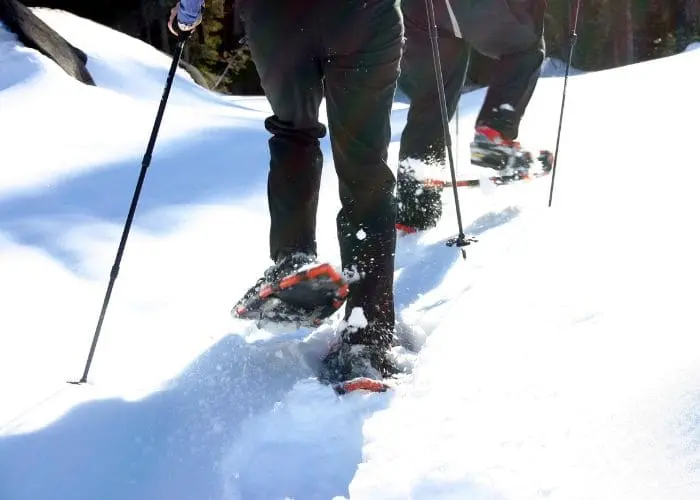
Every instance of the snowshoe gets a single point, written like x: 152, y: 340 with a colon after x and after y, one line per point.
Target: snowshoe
x: 520, y: 171
x: 298, y: 292
x: 403, y: 229
x: 353, y: 367
x: 360, y: 384
x: 491, y: 150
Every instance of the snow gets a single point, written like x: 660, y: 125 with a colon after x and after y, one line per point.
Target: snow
x: 357, y: 318
x: 553, y: 67
x: 560, y: 360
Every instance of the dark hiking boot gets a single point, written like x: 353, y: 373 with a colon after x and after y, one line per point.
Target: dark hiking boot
x: 348, y: 361
x: 419, y: 205
x: 360, y: 353
x: 491, y: 150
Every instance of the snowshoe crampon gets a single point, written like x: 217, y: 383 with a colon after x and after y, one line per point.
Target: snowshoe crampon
x: 304, y: 298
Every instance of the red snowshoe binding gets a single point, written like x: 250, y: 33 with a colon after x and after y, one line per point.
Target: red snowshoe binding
x: 297, y: 291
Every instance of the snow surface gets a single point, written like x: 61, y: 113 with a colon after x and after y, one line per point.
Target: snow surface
x: 560, y: 360
x: 692, y: 46
x: 556, y: 67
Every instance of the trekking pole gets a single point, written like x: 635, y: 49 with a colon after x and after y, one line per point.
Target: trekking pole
x: 460, y: 240
x: 132, y: 209
x: 572, y: 41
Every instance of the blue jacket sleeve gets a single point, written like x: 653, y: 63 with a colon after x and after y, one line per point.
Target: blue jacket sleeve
x: 189, y: 11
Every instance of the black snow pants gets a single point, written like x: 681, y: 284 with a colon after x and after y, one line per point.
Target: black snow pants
x: 347, y: 51
x: 507, y: 31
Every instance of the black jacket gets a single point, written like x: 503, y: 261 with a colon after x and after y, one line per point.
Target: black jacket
x: 493, y: 27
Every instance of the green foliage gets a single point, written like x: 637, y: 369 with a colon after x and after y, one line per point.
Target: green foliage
x: 610, y: 32
x: 204, y: 50
x: 657, y: 28
x: 228, y: 66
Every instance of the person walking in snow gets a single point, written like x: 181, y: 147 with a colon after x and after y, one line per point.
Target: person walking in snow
x: 348, y: 52
x: 510, y: 34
